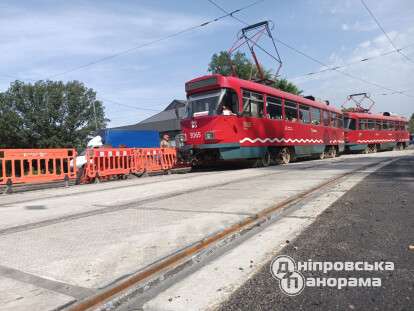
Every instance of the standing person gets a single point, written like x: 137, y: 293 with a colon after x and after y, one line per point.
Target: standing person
x: 165, y: 141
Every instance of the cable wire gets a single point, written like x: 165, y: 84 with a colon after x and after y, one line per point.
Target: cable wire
x: 320, y: 62
x: 351, y: 63
x: 130, y: 106
x: 140, y: 46
x: 384, y: 32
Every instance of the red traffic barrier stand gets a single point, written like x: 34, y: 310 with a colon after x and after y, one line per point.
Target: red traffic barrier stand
x: 106, y: 163
x: 33, y: 166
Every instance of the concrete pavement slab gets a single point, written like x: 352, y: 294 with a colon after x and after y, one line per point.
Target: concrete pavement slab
x: 20, y: 296
x: 212, y: 284
x: 132, y: 226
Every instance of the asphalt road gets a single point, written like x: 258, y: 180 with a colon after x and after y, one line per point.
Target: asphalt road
x: 372, y: 222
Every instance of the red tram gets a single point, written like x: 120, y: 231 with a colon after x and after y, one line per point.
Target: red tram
x: 366, y: 132
x: 230, y: 119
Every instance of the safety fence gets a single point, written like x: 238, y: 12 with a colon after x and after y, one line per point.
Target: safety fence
x: 32, y: 166
x: 156, y: 159
x: 105, y: 163
x: 117, y: 163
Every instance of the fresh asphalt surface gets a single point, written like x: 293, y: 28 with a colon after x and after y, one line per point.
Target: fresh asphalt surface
x: 372, y: 222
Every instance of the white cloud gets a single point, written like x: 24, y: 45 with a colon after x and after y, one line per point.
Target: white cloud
x: 63, y: 37
x: 39, y: 41
x: 360, y: 26
x: 391, y: 71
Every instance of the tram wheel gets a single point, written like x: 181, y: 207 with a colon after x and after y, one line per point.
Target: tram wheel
x: 266, y: 159
x: 322, y: 155
x: 284, y: 156
x: 374, y: 149
x: 332, y: 152
x: 366, y: 150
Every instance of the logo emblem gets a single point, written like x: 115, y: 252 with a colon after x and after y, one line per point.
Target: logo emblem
x: 193, y: 124
x: 291, y: 282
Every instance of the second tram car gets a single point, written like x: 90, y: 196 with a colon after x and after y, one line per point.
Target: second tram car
x: 229, y: 118
x: 366, y: 132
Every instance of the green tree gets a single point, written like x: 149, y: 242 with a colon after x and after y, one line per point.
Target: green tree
x: 49, y: 114
x: 245, y: 69
x: 411, y: 124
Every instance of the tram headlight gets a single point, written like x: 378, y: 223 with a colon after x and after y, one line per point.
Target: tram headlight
x: 209, y: 136
x: 182, y: 138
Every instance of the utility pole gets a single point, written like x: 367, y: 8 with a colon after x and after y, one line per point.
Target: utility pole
x: 94, y: 114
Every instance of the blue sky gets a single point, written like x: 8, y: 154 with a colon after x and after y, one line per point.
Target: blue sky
x: 39, y: 39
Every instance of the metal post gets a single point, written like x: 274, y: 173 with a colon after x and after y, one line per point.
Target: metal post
x: 66, y: 180
x: 9, y: 186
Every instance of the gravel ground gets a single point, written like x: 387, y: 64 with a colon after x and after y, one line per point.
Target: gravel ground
x: 372, y: 222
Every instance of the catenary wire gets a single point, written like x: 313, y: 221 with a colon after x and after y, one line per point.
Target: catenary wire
x: 385, y: 33
x: 318, y: 61
x: 140, y: 46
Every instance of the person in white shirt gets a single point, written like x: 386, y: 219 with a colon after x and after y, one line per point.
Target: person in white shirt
x: 227, y: 111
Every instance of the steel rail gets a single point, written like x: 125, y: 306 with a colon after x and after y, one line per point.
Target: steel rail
x: 170, y: 262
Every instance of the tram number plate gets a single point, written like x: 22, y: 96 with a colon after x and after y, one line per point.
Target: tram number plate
x: 195, y: 135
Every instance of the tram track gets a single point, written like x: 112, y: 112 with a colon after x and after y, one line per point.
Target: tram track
x: 104, y: 209
x: 86, y: 192
x: 182, y: 257
x: 182, y: 176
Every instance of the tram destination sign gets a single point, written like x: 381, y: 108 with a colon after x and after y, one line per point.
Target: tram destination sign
x: 201, y: 83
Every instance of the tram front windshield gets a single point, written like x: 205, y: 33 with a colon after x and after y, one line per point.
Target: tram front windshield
x: 211, y: 103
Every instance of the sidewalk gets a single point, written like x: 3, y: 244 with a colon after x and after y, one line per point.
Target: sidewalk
x: 372, y: 222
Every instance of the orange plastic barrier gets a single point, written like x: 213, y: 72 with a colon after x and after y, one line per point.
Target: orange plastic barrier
x: 24, y: 166
x: 169, y: 158
x: 155, y: 159
x: 105, y: 163
x: 29, y: 166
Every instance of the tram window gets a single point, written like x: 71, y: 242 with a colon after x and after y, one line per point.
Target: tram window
x: 230, y: 101
x: 333, y: 119
x: 350, y: 123
x: 362, y: 124
x: 325, y: 116
x: 397, y: 126
x: 304, y: 114
x: 291, y: 111
x: 371, y: 125
x: 339, y: 121
x: 391, y: 125
x: 252, y: 104
x: 204, y: 103
x: 385, y: 125
x: 378, y: 125
x: 315, y: 116
x: 274, y: 107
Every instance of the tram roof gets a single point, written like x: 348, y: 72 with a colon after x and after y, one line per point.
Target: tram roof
x: 229, y: 81
x: 376, y: 116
